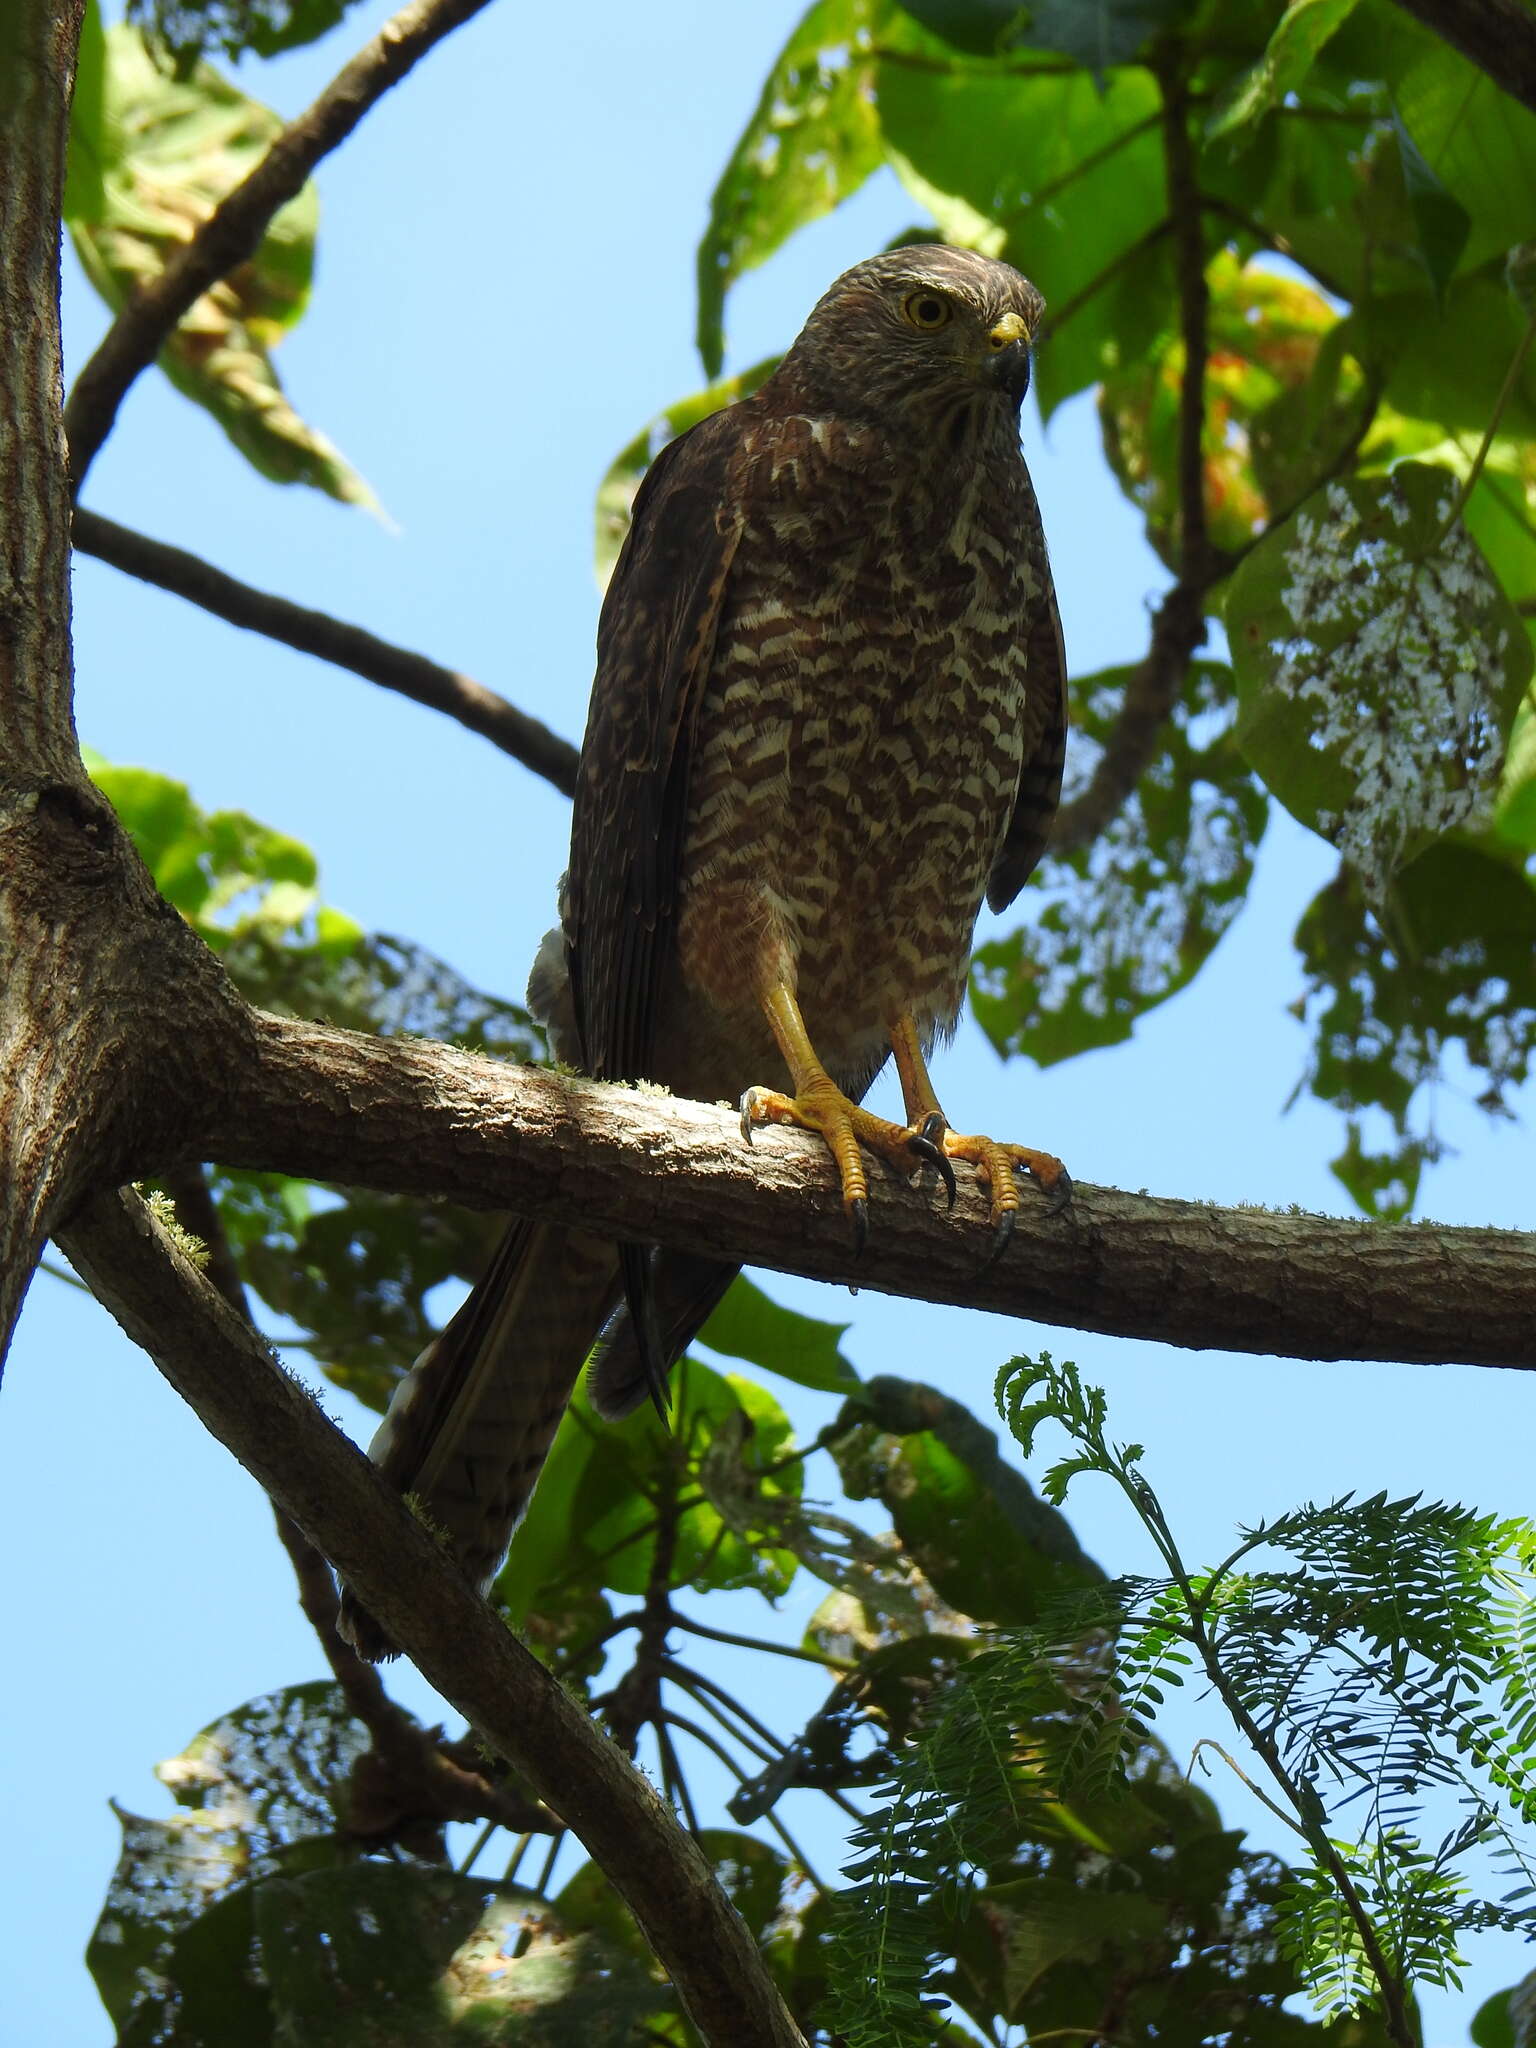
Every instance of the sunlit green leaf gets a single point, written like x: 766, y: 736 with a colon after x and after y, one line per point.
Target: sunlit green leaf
x: 810, y: 144
x: 1298, y: 36
x: 750, y: 1325
x: 168, y: 150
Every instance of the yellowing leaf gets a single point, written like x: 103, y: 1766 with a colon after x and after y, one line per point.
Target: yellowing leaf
x: 162, y: 152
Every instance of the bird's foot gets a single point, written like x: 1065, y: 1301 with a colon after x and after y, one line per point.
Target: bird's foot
x: 997, y: 1165
x: 849, y: 1132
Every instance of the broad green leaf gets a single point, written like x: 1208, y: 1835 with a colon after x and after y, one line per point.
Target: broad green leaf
x: 168, y: 150
x: 403, y: 1955
x: 1289, y: 55
x: 1479, y: 142
x: 189, y: 28
x: 1450, y: 964
x: 622, y: 478
x: 260, y: 1789
x: 810, y: 144
x: 1125, y: 923
x: 748, y: 1324
x: 1379, y: 667
x: 1493, y: 2025
x: 1072, y: 175
x: 968, y: 1523
x: 1442, y: 221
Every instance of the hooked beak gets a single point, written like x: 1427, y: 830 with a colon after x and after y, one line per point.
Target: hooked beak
x: 1007, y: 360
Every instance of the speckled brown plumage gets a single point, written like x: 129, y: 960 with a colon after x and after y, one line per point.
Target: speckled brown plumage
x: 828, y: 718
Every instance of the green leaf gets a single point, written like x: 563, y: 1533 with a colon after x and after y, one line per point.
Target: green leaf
x: 1492, y: 2025
x: 264, y: 28
x: 395, y: 1955
x: 622, y: 478
x: 1125, y: 923
x: 84, y: 193
x: 1478, y: 142
x: 810, y: 144
x: 1292, y: 49
x: 1515, y: 818
x: 750, y: 1325
x: 973, y: 1525
x: 1442, y: 221
x: 168, y: 151
x: 1379, y: 667
x: 1073, y: 178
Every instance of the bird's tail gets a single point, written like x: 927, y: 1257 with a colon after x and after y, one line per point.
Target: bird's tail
x: 472, y: 1422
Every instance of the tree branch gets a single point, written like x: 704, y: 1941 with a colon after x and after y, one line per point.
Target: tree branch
x: 394, y: 668
x: 410, y: 1782
x: 1498, y: 36
x: 1178, y: 625
x: 232, y: 232
x: 425, y: 1119
x: 217, y: 1363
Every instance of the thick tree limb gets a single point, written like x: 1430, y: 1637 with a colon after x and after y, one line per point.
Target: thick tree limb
x: 348, y: 1511
x: 231, y: 233
x: 1498, y: 36
x: 333, y: 640
x: 424, y: 1119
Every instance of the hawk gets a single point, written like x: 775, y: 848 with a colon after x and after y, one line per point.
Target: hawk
x: 829, y: 716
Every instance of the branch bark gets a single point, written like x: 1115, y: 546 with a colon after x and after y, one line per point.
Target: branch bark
x: 458, y: 696
x: 319, y: 1479
x: 231, y: 233
x: 424, y: 1119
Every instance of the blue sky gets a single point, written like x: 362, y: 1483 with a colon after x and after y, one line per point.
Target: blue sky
x: 504, y: 295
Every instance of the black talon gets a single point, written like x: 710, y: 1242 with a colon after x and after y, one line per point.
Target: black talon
x: 1060, y: 1195
x: 858, y: 1213
x: 928, y: 1144
x: 746, y: 1114
x: 1002, y: 1237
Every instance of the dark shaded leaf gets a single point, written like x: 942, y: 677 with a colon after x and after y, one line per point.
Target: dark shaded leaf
x: 1128, y: 921
x: 1096, y: 33
x: 1442, y: 221
x: 1451, y: 962
x: 982, y: 28
x: 189, y: 28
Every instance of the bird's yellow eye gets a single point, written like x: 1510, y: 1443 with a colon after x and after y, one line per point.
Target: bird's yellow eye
x: 927, y: 310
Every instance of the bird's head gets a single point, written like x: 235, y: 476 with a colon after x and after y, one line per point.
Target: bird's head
x: 922, y: 329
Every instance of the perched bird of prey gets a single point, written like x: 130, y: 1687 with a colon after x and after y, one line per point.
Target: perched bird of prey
x: 828, y: 717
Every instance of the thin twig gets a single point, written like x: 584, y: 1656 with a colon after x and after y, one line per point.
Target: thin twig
x: 723, y: 1635
x: 411, y: 675
x: 232, y: 232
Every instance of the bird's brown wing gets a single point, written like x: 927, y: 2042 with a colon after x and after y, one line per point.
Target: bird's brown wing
x: 1039, y: 791
x: 655, y: 649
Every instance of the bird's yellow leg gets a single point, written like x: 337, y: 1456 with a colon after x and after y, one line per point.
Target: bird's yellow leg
x: 996, y: 1163
x: 818, y: 1104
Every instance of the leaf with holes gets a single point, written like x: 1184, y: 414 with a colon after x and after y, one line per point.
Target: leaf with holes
x: 1125, y: 923
x: 1379, y: 666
